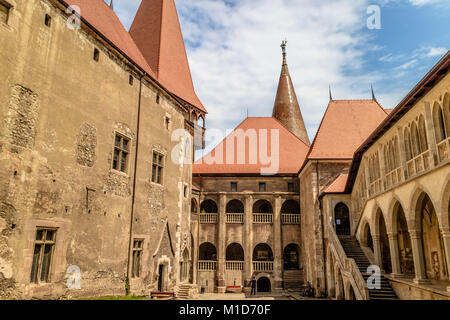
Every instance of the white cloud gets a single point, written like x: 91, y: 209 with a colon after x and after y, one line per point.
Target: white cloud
x: 433, y: 52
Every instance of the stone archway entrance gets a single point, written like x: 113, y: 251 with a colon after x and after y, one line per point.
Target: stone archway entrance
x: 342, y: 219
x: 263, y: 285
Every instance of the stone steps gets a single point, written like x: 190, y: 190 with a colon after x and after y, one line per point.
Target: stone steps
x: 353, y: 250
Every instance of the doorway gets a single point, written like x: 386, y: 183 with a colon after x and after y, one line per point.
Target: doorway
x: 263, y: 284
x: 342, y: 219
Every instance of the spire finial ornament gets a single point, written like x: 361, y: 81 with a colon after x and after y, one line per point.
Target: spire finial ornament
x: 283, y: 48
x: 331, y: 96
x: 111, y: 5
x: 373, y: 94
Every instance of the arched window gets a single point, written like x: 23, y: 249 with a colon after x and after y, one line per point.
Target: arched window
x: 290, y: 206
x: 415, y: 140
x: 262, y: 206
x: 439, y: 123
x: 407, y: 142
x: 291, y: 257
x: 262, y: 252
x: 194, y: 209
x: 446, y: 107
x: 342, y: 219
x: 201, y: 122
x: 207, y: 252
x: 208, y: 206
x: 396, y: 155
x: 384, y: 243
x: 423, y: 140
x: 235, y: 206
x: 235, y: 252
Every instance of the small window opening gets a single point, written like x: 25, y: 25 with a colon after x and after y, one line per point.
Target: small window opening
x: 96, y: 55
x: 48, y: 20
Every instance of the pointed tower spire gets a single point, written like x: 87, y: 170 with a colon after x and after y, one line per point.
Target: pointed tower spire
x: 157, y: 33
x: 286, y: 108
x: 373, y: 94
x: 331, y: 96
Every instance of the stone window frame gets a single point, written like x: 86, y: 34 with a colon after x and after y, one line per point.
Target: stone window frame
x: 36, y: 276
x: 264, y: 185
x: 10, y: 6
x: 186, y: 190
x: 57, y: 267
x: 137, y: 253
x: 160, y: 166
x: 130, y: 141
x: 144, y: 267
x: 233, y: 183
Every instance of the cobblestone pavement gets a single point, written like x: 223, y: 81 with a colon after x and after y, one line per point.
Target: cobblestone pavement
x: 243, y: 296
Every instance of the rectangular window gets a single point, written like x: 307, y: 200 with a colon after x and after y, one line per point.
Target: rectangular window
x: 96, y: 55
x: 290, y: 187
x: 185, y: 191
x: 42, y: 255
x: 121, y: 153
x: 157, y: 168
x: 138, y: 247
x: 234, y: 187
x: 4, y: 12
x: 48, y: 20
x: 262, y: 187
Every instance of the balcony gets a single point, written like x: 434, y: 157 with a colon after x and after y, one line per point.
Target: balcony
x: 235, y: 218
x: 208, y: 218
x: 419, y: 164
x: 375, y: 187
x: 234, y: 265
x: 261, y: 218
x: 394, y: 177
x: 290, y: 218
x: 443, y: 149
x: 262, y: 266
x: 207, y: 265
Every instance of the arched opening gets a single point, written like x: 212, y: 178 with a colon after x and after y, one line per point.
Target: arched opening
x: 235, y: 252
x: 435, y: 263
x: 290, y: 206
x: 439, y: 123
x: 415, y: 140
x: 208, y: 206
x: 162, y: 278
x: 384, y: 244
x: 368, y: 240
x: 207, y: 252
x: 351, y: 293
x: 262, y: 206
x: 342, y: 219
x: 291, y: 257
x: 262, y: 252
x: 201, y: 122
x: 404, y: 241
x: 194, y: 209
x: 184, y: 266
x: 423, y: 140
x: 235, y: 206
x: 446, y: 107
x: 263, y: 284
x: 408, y: 144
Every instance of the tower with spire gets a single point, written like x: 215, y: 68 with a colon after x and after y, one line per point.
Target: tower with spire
x: 286, y: 108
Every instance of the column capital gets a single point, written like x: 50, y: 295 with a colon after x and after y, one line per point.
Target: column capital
x: 376, y: 237
x: 415, y: 234
x: 392, y: 236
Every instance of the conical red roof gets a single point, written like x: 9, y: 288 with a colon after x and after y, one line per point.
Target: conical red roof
x: 157, y: 33
x: 286, y: 108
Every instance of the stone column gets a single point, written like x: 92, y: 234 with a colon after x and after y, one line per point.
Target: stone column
x: 278, y: 256
x: 377, y: 251
x: 395, y: 256
x: 446, y: 240
x: 419, y: 260
x: 248, y: 241
x: 221, y: 287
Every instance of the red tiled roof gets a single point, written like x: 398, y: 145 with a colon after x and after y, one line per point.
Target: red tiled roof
x: 388, y: 111
x: 156, y: 31
x: 292, y: 151
x: 98, y: 14
x: 345, y: 126
x: 338, y: 185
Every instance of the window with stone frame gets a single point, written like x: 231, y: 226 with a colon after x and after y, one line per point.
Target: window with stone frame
x: 157, y: 167
x: 138, y: 248
x: 290, y: 187
x: 44, y: 246
x: 121, y: 153
x: 4, y: 11
x: 262, y: 187
x: 233, y: 186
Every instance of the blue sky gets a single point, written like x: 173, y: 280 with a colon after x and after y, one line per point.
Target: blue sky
x: 235, y: 56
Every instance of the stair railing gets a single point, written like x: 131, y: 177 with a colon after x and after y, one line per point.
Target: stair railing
x: 348, y: 265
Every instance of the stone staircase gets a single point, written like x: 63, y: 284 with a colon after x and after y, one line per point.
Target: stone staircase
x: 353, y: 250
x: 186, y: 291
x: 293, y: 280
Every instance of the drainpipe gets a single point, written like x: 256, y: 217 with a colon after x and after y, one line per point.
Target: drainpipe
x: 134, y: 185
